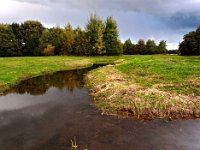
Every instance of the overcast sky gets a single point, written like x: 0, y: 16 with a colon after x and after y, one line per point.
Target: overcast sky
x: 137, y: 19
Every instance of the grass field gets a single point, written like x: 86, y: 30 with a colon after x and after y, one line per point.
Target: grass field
x: 149, y: 87
x: 15, y: 69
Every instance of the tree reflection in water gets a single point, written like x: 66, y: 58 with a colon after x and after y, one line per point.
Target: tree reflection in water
x: 40, y: 85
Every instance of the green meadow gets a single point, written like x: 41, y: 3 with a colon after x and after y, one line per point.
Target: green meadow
x: 157, y: 86
x: 150, y: 86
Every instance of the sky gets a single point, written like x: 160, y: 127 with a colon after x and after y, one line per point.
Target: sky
x: 159, y: 20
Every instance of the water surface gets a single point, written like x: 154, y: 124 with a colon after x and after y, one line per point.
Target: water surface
x: 46, y: 112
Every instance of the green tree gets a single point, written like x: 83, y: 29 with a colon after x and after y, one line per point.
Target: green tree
x: 94, y: 32
x: 57, y: 34
x: 197, y: 51
x: 191, y: 43
x: 128, y: 47
x: 68, y: 40
x: 8, y: 42
x: 18, y: 35
x: 140, y: 47
x: 45, y: 40
x: 31, y: 31
x: 80, y: 42
x: 111, y: 37
x: 52, y: 37
x: 162, y: 47
x: 151, y: 47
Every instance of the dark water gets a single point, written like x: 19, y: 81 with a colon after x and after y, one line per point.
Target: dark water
x: 45, y: 113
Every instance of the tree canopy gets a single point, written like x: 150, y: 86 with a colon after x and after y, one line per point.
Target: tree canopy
x: 191, y: 43
x: 111, y: 37
x: 99, y: 37
x: 8, y: 41
x: 143, y: 48
x: 94, y: 32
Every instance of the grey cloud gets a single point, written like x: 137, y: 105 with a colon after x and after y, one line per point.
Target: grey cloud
x: 185, y: 20
x: 158, y: 7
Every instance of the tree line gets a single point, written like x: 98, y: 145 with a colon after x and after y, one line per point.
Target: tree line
x: 99, y: 37
x: 144, y: 48
x: 191, y: 43
x: 31, y: 38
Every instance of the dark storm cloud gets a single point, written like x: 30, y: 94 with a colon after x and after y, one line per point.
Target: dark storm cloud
x: 156, y: 19
x: 185, y: 20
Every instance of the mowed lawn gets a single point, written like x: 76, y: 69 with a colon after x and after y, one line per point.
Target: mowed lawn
x: 155, y: 86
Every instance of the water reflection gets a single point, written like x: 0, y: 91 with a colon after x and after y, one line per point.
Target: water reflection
x: 68, y: 80
x: 45, y: 113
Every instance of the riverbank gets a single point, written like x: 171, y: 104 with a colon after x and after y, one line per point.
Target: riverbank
x: 15, y: 69
x: 145, y: 87
x: 48, y: 112
x: 148, y: 87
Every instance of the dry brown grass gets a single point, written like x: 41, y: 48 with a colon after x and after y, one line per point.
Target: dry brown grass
x: 115, y: 95
x: 2, y: 86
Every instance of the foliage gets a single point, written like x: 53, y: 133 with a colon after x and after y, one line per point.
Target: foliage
x: 140, y: 47
x: 94, y: 32
x: 191, y: 43
x: 80, y: 42
x: 98, y: 38
x: 172, y: 51
x: 143, y: 48
x: 162, y: 47
x: 49, y: 50
x: 68, y: 40
x: 128, y: 47
x: 16, y: 28
x: 151, y: 47
x: 111, y: 39
x: 52, y: 37
x: 8, y: 42
x: 31, y: 31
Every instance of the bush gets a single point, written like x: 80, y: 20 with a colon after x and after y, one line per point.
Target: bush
x: 49, y: 50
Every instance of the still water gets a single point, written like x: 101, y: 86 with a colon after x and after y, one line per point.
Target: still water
x: 46, y: 112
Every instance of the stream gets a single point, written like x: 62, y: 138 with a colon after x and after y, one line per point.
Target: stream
x: 47, y: 112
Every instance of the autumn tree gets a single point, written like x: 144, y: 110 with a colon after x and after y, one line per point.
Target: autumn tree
x: 49, y: 50
x: 68, y: 40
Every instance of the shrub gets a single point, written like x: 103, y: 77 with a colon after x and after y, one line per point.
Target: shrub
x: 49, y: 50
